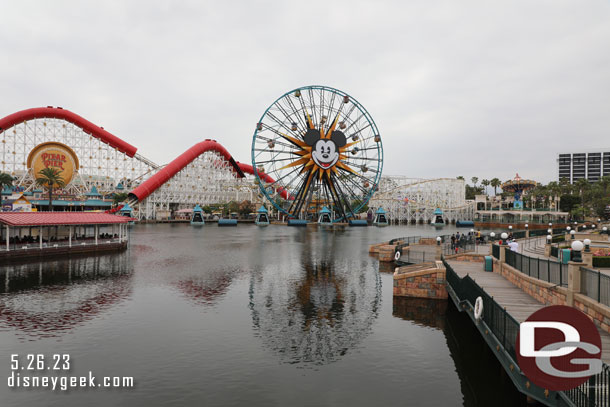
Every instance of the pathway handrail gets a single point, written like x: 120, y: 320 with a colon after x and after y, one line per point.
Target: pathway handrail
x: 593, y: 393
x: 595, y: 285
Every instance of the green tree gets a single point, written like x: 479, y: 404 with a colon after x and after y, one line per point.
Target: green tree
x: 461, y: 177
x: 246, y: 207
x: 119, y: 197
x: 471, y: 191
x: 474, y: 181
x: 5, y: 181
x: 568, y: 202
x: 231, y: 207
x: 495, y: 183
x: 485, y: 184
x: 50, y: 177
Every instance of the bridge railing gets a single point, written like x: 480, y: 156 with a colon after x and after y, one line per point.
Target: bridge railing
x: 501, y: 323
x: 495, y: 251
x: 593, y: 393
x: 595, y: 285
x: 547, y: 270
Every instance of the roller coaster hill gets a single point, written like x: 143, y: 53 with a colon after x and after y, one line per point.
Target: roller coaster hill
x: 105, y: 165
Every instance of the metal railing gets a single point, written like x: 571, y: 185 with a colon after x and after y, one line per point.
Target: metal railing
x: 495, y: 251
x: 60, y: 243
x: 593, y: 393
x: 555, y: 251
x: 466, y: 246
x: 595, y: 285
x: 501, y: 323
x: 547, y: 270
x: 414, y: 257
x: 406, y: 239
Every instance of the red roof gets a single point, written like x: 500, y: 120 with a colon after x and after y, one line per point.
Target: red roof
x: 59, y: 218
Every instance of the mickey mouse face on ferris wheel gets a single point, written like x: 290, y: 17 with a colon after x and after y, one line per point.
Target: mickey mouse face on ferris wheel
x: 325, y: 151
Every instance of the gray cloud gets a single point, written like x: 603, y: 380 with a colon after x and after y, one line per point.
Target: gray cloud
x: 457, y: 88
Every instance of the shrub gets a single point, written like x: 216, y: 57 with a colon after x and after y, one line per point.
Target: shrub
x: 601, y: 261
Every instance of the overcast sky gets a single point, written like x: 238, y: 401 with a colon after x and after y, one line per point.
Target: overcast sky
x: 473, y: 88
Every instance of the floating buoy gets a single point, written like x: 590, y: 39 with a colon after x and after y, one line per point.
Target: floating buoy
x: 478, y: 308
x: 397, y: 255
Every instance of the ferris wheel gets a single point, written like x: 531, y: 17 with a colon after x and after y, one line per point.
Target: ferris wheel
x: 317, y: 146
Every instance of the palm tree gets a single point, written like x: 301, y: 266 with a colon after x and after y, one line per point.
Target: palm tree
x: 50, y: 177
x: 582, y: 185
x: 474, y: 181
x: 495, y: 182
x: 485, y: 183
x: 5, y: 181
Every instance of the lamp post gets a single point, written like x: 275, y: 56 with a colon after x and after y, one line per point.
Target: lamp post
x: 504, y: 236
x: 572, y: 233
x: 492, y: 235
x: 587, y: 243
x: 547, y: 248
x: 438, y: 248
x: 577, y: 247
x: 605, y: 230
x: 527, y: 233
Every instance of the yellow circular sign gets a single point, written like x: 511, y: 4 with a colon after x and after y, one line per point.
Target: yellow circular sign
x: 54, y: 155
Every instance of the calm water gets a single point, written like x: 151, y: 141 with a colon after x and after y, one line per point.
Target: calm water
x: 270, y: 316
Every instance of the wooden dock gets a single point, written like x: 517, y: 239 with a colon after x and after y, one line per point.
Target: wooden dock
x: 517, y: 303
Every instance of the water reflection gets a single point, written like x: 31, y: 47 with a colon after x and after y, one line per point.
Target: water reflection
x: 480, y: 374
x: 315, y: 311
x: 206, y: 289
x: 422, y: 311
x: 48, y: 299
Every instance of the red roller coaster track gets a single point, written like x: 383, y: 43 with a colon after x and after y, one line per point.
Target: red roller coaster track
x: 60, y: 113
x: 162, y: 176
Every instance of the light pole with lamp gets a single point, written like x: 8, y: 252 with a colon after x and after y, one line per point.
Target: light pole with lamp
x: 577, y: 247
x: 503, y: 246
x: 572, y: 233
x: 439, y: 251
x: 547, y: 246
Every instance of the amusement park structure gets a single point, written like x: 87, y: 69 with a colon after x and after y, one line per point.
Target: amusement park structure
x: 206, y: 173
x: 518, y: 186
x: 415, y: 200
x: 315, y: 147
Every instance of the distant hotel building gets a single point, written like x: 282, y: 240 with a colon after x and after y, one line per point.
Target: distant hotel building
x: 591, y: 166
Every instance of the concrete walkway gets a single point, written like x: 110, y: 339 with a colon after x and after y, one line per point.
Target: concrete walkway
x: 518, y: 304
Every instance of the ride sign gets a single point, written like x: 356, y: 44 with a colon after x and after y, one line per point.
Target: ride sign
x: 53, y: 155
x: 558, y: 348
